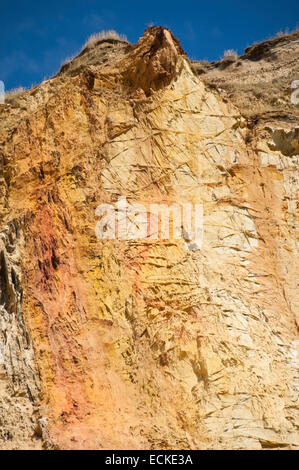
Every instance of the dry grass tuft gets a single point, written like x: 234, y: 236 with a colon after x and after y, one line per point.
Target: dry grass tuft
x: 230, y: 53
x: 67, y: 60
x: 16, y: 91
x: 104, y: 35
x: 199, y: 66
x: 13, y: 95
x: 287, y: 32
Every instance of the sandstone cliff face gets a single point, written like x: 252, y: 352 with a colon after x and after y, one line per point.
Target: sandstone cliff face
x: 146, y: 343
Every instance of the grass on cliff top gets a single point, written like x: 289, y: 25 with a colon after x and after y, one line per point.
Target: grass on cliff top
x: 259, y: 81
x: 93, y: 40
x: 102, y: 36
x: 12, y: 96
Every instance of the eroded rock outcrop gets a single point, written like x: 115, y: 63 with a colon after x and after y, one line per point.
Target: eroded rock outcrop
x: 147, y: 343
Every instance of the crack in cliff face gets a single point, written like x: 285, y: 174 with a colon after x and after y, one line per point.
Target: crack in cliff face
x: 145, y: 343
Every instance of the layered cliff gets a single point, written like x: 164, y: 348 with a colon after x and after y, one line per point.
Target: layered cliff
x: 146, y: 343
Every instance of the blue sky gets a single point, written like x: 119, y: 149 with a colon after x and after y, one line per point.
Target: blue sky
x: 37, y: 36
